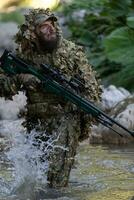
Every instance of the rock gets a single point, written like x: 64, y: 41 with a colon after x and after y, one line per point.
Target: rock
x: 121, y: 106
x: 112, y: 95
x: 7, y: 32
x: 122, y: 112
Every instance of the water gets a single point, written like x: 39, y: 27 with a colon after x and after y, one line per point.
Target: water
x: 100, y: 172
x: 105, y: 172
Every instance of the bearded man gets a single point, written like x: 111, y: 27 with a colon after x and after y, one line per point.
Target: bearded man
x: 40, y: 41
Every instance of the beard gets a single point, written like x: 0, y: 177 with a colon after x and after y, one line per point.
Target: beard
x: 47, y: 38
x: 48, y: 43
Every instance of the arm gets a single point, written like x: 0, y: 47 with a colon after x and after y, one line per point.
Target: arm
x: 7, y: 85
x: 10, y: 85
x: 15, y: 75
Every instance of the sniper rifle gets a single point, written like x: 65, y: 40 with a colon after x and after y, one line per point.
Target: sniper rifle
x: 52, y: 80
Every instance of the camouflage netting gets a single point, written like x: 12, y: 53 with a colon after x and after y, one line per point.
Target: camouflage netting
x: 26, y: 39
x: 52, y: 112
x: 68, y: 57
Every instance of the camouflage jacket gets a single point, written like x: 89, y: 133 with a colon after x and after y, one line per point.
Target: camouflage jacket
x: 68, y: 58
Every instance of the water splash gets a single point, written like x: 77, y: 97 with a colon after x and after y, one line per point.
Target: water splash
x: 10, y: 109
x: 24, y: 152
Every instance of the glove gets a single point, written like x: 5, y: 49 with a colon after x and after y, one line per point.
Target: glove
x: 29, y: 81
x: 7, y: 86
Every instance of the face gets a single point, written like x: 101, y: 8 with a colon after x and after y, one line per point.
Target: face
x: 46, y: 34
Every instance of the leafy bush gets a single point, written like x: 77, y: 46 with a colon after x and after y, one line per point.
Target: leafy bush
x: 107, y: 32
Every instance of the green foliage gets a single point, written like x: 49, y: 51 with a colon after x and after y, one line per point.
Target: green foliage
x: 84, y: 4
x: 124, y: 77
x: 130, y: 22
x: 107, y: 32
x: 14, y: 16
x: 119, y: 46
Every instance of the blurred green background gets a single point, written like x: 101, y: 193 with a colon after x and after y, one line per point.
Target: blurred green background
x: 105, y: 28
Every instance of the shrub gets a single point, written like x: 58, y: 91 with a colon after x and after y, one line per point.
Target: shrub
x: 107, y: 33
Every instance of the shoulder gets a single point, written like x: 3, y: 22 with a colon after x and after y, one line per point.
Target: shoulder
x: 71, y: 49
x: 71, y: 45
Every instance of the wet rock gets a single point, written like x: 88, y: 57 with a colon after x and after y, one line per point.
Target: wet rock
x: 7, y: 32
x: 122, y: 112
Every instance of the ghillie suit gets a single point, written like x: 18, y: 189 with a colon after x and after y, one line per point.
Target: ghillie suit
x: 49, y: 112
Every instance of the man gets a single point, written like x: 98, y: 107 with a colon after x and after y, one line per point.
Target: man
x: 40, y: 41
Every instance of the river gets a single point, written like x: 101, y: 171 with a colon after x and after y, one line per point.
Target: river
x: 99, y: 172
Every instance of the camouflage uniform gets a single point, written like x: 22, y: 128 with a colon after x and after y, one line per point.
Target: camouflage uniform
x: 51, y: 113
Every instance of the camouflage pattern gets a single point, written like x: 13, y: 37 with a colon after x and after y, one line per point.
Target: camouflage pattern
x: 48, y: 112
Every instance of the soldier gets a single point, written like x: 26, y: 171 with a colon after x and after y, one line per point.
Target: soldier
x: 39, y: 41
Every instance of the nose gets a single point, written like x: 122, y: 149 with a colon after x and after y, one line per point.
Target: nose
x: 46, y: 28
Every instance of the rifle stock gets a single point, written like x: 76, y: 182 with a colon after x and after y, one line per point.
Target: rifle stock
x: 51, y: 81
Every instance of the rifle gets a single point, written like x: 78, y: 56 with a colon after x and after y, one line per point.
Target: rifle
x: 52, y: 80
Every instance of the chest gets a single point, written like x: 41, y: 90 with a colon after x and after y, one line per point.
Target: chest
x: 62, y: 60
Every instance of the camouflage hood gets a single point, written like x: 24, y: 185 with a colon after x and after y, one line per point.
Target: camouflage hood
x: 26, y: 38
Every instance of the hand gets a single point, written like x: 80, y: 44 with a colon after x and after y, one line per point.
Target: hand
x: 7, y: 87
x: 29, y: 81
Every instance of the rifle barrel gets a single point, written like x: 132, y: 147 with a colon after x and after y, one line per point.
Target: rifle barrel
x: 11, y: 63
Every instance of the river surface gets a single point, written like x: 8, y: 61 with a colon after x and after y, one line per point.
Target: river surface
x: 99, y: 173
